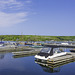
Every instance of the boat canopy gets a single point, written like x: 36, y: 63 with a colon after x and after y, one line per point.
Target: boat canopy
x: 45, y: 50
x: 48, y: 52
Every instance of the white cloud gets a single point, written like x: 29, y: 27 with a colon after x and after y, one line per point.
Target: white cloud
x: 11, y: 18
x: 5, y: 4
x: 14, y: 4
x: 17, y: 12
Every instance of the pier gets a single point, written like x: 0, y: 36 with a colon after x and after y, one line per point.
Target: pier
x: 17, y: 48
x: 33, y: 51
x: 59, y: 45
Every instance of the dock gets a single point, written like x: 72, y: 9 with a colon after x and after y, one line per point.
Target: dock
x: 27, y: 52
x: 59, y: 45
x: 54, y: 62
x: 58, y: 61
x: 17, y: 48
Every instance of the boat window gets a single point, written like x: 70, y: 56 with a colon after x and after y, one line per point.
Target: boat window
x: 57, y: 51
x: 46, y: 50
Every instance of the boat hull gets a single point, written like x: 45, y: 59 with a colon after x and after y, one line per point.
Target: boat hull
x: 50, y: 57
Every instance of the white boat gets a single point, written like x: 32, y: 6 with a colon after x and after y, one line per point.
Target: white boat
x: 48, y: 53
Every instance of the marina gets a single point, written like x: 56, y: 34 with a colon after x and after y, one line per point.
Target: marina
x: 23, y: 58
x: 52, y: 57
x: 37, y: 37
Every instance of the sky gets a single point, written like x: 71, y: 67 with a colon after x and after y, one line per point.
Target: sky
x: 37, y: 17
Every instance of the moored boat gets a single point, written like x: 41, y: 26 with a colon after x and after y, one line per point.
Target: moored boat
x: 72, y: 50
x: 37, y: 46
x: 48, y: 53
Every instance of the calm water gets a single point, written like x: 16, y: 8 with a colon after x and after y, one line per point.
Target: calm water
x: 10, y: 65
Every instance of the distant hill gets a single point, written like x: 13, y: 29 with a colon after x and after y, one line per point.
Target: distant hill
x: 35, y: 38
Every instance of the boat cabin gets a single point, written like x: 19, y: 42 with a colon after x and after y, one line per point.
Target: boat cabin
x: 48, y: 53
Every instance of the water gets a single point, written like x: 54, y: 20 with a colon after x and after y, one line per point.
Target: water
x: 10, y: 65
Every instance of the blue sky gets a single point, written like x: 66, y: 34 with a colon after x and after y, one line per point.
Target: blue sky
x: 37, y: 17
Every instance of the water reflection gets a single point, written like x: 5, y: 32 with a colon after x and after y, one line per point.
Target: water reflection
x: 52, y: 68
x: 48, y: 68
x: 2, y: 55
x: 20, y: 56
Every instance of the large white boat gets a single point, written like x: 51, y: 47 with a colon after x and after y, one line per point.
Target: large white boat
x: 49, y: 53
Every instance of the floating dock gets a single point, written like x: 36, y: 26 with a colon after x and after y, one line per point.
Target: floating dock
x: 58, y: 61
x: 54, y: 62
x: 27, y: 52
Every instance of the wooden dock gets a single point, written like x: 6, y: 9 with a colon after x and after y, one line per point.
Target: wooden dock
x: 18, y: 48
x: 26, y: 52
x: 58, y: 61
x: 54, y: 62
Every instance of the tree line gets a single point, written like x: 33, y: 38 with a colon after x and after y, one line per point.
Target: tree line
x: 35, y: 38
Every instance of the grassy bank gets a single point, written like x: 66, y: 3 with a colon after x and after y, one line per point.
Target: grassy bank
x: 35, y: 38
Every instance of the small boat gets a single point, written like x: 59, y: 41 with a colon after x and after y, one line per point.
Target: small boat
x: 49, y: 53
x: 37, y: 46
x: 72, y: 50
x: 1, y: 44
